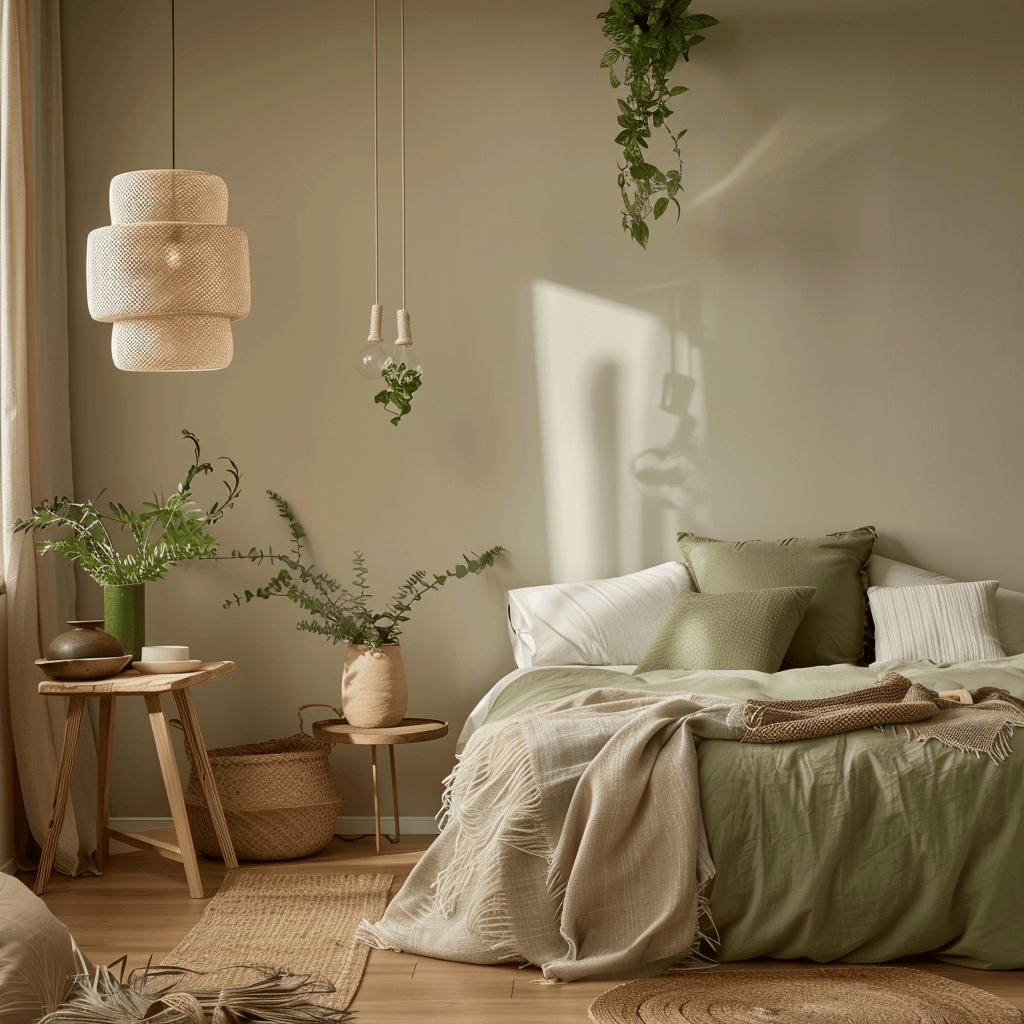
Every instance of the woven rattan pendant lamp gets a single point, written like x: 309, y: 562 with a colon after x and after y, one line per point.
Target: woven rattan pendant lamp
x: 168, y: 272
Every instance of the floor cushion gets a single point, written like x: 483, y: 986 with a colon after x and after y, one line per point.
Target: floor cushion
x: 38, y: 957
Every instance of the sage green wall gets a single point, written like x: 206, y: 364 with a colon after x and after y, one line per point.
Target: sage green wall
x: 840, y: 304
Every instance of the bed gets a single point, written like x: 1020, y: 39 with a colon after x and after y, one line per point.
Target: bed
x: 858, y: 848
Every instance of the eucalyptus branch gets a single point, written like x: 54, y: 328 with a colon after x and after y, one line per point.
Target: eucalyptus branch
x: 337, y: 613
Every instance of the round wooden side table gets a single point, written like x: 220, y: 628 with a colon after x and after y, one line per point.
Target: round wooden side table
x: 409, y: 730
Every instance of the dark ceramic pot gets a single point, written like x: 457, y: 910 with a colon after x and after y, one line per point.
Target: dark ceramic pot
x: 86, y: 640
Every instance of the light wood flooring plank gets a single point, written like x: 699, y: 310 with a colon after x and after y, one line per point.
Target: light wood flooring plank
x: 141, y: 906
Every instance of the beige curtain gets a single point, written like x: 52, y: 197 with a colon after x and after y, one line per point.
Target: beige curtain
x: 35, y: 428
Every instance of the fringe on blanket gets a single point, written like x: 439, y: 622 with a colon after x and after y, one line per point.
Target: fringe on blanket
x: 499, y: 774
x: 498, y: 770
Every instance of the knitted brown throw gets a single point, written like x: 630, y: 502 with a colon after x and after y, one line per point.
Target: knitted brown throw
x: 984, y: 727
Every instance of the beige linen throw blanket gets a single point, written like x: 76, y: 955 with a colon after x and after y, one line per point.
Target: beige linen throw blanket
x: 572, y: 834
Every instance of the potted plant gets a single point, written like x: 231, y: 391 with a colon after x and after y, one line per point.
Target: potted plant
x: 649, y: 36
x: 373, y: 687
x: 172, y: 529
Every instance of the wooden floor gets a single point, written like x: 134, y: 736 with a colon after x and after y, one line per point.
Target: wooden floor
x: 141, y: 906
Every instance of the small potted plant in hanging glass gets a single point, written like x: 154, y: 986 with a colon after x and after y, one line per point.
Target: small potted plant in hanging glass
x: 374, y: 693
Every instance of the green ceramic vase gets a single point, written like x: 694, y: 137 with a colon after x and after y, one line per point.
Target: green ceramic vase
x: 124, y: 616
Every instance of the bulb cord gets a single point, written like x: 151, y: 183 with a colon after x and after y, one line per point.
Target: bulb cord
x: 174, y: 119
x: 376, y: 174
x: 403, y: 151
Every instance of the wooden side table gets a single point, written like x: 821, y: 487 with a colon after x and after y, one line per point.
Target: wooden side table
x: 409, y: 730
x: 136, y: 684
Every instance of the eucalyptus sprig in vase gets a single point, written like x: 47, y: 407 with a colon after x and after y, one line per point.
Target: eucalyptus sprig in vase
x: 374, y: 692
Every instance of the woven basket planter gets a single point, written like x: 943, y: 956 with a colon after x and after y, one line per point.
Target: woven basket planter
x: 278, y: 797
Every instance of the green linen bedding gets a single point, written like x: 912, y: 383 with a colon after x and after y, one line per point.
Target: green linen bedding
x: 860, y: 848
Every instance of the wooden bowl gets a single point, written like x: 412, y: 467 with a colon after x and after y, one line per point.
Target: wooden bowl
x: 84, y: 668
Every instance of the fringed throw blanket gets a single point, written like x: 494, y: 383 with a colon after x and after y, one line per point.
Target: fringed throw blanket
x: 573, y: 836
x: 984, y: 726
x: 573, y: 840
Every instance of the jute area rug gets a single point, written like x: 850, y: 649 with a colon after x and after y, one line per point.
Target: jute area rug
x: 835, y: 995
x: 300, y: 923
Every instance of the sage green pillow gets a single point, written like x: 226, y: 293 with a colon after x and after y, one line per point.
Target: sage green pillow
x: 832, y: 629
x: 750, y: 629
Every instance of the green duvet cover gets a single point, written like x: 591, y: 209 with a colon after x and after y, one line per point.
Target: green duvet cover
x: 862, y: 847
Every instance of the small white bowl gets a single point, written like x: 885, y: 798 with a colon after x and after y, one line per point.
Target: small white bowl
x: 157, y: 668
x: 164, y: 654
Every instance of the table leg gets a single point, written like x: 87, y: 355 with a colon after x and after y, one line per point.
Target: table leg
x: 72, y: 725
x: 376, y: 794
x: 104, y: 760
x: 394, y: 795
x: 201, y: 766
x: 172, y: 784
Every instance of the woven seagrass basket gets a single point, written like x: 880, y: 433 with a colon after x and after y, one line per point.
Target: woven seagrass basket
x: 278, y: 798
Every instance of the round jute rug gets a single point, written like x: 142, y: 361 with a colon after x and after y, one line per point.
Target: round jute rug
x: 832, y: 995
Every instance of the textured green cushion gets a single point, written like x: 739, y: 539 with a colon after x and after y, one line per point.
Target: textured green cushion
x: 832, y: 630
x: 747, y: 630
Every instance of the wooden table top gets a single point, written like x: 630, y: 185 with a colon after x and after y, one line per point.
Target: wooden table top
x: 409, y: 730
x: 133, y: 682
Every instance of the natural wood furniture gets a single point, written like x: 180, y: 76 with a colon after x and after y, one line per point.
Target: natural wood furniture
x: 136, y: 684
x: 409, y: 730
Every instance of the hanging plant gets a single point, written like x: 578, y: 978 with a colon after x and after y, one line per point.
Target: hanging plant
x: 650, y: 36
x: 402, y: 383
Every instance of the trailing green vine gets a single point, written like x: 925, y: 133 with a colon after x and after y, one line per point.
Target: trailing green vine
x: 402, y: 383
x: 650, y: 36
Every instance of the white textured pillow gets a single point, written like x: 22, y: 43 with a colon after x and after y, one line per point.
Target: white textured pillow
x: 940, y: 622
x: 600, y: 622
x: 887, y: 572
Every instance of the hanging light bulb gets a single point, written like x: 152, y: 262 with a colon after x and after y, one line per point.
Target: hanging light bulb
x: 404, y: 352
x: 370, y: 360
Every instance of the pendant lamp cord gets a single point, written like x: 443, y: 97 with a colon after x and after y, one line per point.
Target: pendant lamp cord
x: 173, y: 94
x: 403, y: 153
x: 376, y: 175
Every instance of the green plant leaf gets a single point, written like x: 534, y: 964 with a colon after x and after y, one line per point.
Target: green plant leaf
x: 172, y: 529
x: 649, y: 36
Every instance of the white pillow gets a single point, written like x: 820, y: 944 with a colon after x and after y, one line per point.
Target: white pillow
x: 940, y: 622
x: 601, y: 622
x: 887, y: 572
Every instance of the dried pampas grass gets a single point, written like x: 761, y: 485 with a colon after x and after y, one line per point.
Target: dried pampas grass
x: 42, y: 983
x: 175, y: 995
